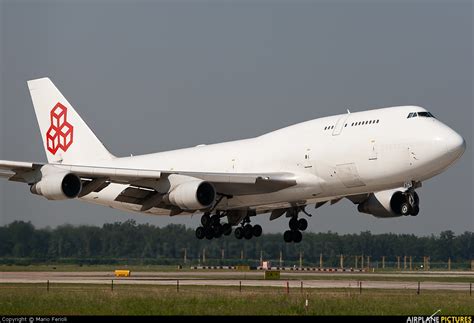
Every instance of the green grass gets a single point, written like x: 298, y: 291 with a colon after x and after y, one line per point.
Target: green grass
x: 67, y: 299
x: 426, y: 278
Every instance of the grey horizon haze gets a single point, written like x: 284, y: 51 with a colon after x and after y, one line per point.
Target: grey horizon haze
x: 155, y: 76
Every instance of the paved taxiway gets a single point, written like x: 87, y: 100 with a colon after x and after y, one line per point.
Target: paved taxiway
x: 253, y: 278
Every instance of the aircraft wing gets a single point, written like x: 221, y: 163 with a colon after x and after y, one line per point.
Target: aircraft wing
x: 225, y: 183
x: 18, y: 171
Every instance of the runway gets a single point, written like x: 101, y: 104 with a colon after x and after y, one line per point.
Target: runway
x: 249, y: 278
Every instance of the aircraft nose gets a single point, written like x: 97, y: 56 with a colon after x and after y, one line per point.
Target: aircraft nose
x: 455, y: 144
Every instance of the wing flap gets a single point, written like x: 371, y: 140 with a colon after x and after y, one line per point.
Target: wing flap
x: 134, y: 195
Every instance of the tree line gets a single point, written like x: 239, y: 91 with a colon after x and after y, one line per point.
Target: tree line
x: 151, y: 244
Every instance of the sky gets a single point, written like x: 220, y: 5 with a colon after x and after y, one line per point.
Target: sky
x: 152, y: 76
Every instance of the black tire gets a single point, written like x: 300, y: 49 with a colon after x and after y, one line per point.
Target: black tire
x: 293, y: 224
x: 200, y: 233
x: 248, y: 234
x: 239, y: 233
x: 215, y: 219
x: 288, y: 236
x: 257, y: 230
x: 205, y: 219
x: 415, y: 211
x: 416, y: 198
x: 297, y: 236
x: 396, y: 201
x: 217, y: 229
x: 302, y: 224
x: 405, y: 208
x: 227, y: 229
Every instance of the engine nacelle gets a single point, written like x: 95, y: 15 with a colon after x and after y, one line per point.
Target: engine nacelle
x: 58, y: 186
x: 192, y: 195
x: 384, y: 204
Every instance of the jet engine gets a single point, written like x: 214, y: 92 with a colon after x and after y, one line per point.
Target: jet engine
x: 192, y: 195
x: 58, y: 186
x: 390, y: 203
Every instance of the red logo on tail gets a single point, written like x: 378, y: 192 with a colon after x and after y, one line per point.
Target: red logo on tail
x: 59, y: 134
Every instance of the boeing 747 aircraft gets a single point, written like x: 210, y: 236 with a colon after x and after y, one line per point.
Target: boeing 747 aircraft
x: 367, y: 157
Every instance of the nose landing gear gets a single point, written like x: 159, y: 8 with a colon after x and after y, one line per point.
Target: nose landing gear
x: 410, y: 203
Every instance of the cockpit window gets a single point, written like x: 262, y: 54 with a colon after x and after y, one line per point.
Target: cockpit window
x: 420, y: 114
x: 425, y: 114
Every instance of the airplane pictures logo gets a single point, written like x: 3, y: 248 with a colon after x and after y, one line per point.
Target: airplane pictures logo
x: 60, y: 133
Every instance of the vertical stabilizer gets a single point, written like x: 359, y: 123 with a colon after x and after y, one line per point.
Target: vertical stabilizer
x: 66, y: 137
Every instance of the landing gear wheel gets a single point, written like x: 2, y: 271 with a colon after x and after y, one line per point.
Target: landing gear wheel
x: 416, y: 210
x: 209, y: 234
x: 416, y: 198
x: 248, y: 232
x: 226, y: 229
x: 405, y: 208
x: 239, y: 233
x: 215, y: 220
x: 297, y: 236
x: 257, y: 230
x: 217, y: 230
x: 205, y: 219
x: 200, y: 233
x: 288, y: 236
x: 294, y: 223
x: 302, y: 224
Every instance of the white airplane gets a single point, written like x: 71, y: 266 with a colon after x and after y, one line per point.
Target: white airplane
x: 374, y: 158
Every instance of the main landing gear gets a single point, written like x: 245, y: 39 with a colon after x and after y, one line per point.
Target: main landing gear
x: 247, y: 231
x: 296, y: 226
x: 212, y: 227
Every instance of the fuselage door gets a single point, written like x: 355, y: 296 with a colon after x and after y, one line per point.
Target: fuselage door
x: 307, y: 164
x: 372, y: 150
x: 340, y: 125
